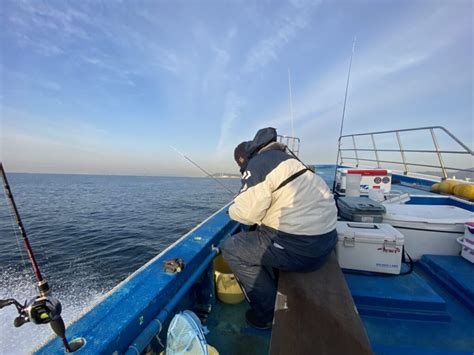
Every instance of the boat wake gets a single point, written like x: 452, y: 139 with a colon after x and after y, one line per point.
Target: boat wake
x: 20, y: 285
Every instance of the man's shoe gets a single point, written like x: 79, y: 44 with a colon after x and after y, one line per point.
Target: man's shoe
x: 258, y: 321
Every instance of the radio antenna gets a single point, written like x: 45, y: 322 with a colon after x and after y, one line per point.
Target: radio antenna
x: 343, y: 115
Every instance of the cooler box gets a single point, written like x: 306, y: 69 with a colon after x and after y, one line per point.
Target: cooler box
x: 429, y: 229
x: 467, y: 242
x: 360, y: 209
x: 371, y: 179
x: 372, y: 247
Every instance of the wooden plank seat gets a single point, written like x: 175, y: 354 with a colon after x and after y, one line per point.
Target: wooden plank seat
x: 315, y: 314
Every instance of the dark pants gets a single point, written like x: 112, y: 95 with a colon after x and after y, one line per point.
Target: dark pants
x: 253, y: 255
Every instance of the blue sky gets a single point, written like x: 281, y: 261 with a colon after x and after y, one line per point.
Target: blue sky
x: 107, y: 86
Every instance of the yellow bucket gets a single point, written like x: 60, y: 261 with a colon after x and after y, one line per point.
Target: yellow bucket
x: 221, y: 265
x: 227, y: 288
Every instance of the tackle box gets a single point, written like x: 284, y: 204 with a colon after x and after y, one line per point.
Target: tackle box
x: 374, y: 247
x: 360, y: 209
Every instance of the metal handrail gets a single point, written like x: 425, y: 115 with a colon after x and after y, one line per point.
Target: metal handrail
x: 292, y: 143
x: 402, y: 151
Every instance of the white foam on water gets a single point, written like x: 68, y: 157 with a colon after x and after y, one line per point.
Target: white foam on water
x: 20, y: 286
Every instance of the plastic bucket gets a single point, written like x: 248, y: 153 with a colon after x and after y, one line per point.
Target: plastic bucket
x: 221, y: 265
x: 227, y: 288
x: 376, y: 195
x: 353, y: 185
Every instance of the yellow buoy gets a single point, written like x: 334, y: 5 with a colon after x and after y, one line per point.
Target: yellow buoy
x: 435, y: 187
x: 448, y: 185
x: 227, y: 287
x: 464, y: 191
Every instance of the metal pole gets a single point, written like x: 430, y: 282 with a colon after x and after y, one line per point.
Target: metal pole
x: 355, y: 151
x: 375, y: 151
x: 402, y: 153
x: 441, y: 163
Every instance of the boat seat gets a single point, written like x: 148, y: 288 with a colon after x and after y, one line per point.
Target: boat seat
x: 315, y: 314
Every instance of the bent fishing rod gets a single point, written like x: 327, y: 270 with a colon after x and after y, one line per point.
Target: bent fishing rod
x: 204, y: 171
x: 234, y: 195
x: 43, y: 308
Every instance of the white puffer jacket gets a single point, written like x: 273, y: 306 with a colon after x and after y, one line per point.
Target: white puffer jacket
x: 304, y: 206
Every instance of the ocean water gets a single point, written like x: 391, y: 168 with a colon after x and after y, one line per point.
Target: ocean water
x: 89, y: 233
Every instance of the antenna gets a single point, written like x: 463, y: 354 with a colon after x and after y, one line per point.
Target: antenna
x: 343, y: 114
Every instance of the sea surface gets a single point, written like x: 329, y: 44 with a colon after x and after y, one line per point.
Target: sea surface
x: 89, y: 233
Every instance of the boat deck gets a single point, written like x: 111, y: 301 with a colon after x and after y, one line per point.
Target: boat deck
x: 230, y: 334
x: 425, y: 312
x: 411, y: 313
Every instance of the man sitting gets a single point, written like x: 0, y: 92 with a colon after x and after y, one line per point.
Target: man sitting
x: 295, y: 215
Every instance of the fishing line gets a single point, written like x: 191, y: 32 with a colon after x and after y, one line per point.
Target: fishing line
x: 14, y: 229
x: 204, y: 171
x: 43, y: 308
x: 294, y: 156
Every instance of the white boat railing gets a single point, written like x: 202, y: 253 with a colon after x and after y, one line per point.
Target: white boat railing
x: 292, y: 143
x: 464, y: 150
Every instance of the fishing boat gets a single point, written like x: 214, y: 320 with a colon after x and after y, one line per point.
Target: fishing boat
x: 428, y: 308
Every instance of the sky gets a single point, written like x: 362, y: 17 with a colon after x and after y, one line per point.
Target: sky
x: 107, y: 87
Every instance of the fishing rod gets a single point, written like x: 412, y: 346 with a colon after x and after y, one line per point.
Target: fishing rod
x: 343, y: 115
x: 43, y: 308
x: 204, y: 171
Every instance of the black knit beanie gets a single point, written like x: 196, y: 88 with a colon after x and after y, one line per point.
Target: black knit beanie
x: 240, y: 154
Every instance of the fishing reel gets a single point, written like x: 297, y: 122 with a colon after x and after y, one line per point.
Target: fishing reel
x: 38, y: 310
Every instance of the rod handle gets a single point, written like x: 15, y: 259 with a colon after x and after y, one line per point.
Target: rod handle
x: 59, y: 328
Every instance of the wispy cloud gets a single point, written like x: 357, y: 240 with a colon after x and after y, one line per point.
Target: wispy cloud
x: 287, y: 25
x: 77, y: 29
x: 126, y: 66
x: 233, y: 106
x: 51, y: 85
x: 396, y: 51
x: 290, y: 20
x: 164, y: 58
x: 318, y: 107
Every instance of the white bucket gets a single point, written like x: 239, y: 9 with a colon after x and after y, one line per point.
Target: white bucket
x: 353, y: 185
x: 467, y: 242
x: 376, y: 195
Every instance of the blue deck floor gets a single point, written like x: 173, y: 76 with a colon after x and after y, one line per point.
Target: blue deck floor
x: 410, y: 314
x: 424, y: 336
x: 230, y: 334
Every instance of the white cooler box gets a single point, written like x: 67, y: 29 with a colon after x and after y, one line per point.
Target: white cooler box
x: 372, y: 247
x: 467, y: 242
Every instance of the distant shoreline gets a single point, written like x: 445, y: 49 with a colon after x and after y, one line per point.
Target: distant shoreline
x: 225, y: 176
